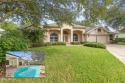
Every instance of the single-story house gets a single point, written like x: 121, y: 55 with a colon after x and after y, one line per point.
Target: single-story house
x: 74, y: 32
x: 14, y: 61
x: 120, y: 33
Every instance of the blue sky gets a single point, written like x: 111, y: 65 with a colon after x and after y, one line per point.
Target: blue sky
x: 23, y: 54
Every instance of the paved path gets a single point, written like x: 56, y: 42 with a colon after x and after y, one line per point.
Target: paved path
x: 118, y: 51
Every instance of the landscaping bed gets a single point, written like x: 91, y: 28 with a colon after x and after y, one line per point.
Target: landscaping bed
x: 95, y: 45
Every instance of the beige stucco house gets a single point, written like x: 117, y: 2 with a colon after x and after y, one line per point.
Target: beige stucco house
x: 74, y: 32
x: 14, y: 61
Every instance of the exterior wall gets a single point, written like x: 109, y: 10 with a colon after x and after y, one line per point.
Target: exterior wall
x: 102, y: 36
x: 94, y: 36
x: 80, y: 35
x: 68, y: 35
x: 67, y: 28
x: 12, y: 62
x: 49, y: 32
x: 96, y: 31
x: 98, y: 38
x: 120, y: 35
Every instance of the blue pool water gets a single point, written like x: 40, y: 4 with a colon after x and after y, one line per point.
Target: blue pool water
x: 29, y: 71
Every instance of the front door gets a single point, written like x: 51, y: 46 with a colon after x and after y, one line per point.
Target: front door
x: 65, y: 38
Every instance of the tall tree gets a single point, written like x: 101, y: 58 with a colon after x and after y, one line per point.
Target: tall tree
x: 37, y: 10
x: 60, y: 11
x: 116, y: 15
x: 7, y: 25
x: 94, y: 10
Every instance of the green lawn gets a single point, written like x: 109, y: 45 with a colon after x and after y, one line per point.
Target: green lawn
x: 79, y: 64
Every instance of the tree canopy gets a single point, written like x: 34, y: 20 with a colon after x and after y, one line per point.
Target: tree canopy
x: 37, y: 10
x: 60, y: 11
x: 7, y: 25
x: 116, y: 15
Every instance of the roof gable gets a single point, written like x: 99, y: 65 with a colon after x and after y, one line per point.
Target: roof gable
x: 90, y: 29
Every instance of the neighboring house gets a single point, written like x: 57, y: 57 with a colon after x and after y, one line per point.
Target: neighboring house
x: 14, y: 61
x: 68, y: 33
x: 119, y: 34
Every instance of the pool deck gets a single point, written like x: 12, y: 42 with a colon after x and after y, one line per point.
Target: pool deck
x: 11, y: 70
x: 42, y: 71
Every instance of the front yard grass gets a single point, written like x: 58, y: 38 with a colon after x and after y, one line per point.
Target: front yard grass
x: 79, y: 64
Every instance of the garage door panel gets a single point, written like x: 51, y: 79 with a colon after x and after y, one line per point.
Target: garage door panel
x: 101, y: 39
x: 91, y: 39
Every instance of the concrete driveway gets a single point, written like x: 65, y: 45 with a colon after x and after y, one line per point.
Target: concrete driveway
x: 118, y: 51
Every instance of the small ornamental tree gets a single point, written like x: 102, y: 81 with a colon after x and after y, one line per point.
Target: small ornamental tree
x: 35, y: 35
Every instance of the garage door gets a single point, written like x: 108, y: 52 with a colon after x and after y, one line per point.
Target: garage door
x: 91, y: 38
x: 101, y: 39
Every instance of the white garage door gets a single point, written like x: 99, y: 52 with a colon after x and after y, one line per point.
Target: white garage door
x: 101, y: 39
x: 91, y: 38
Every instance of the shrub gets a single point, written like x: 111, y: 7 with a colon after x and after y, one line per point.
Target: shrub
x: 119, y: 39
x: 61, y: 43
x: 114, y: 41
x: 83, y: 42
x: 54, y: 43
x: 13, y: 41
x: 36, y: 45
x: 95, y: 44
x: 35, y: 35
x: 75, y: 43
x: 48, y: 44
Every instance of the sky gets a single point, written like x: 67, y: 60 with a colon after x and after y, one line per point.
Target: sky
x: 26, y: 55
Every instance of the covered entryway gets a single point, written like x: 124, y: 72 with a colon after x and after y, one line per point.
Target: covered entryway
x: 66, y: 35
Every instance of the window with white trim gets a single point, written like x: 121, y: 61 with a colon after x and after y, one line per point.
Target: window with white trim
x: 75, y: 37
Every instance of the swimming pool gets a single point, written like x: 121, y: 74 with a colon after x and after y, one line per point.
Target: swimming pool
x: 29, y: 71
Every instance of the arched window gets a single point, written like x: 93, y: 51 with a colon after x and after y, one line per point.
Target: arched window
x: 75, y: 37
x: 53, y: 37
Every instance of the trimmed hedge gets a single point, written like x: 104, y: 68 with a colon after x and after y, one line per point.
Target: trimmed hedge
x: 47, y: 44
x: 54, y: 43
x: 75, y: 43
x: 121, y: 43
x: 119, y: 40
x: 58, y: 43
x: 36, y: 45
x: 95, y: 44
x: 83, y: 42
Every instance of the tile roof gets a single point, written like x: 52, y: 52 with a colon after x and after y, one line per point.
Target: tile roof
x: 74, y: 25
